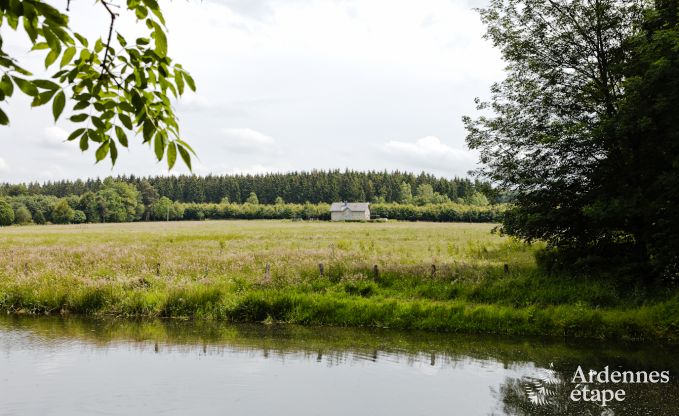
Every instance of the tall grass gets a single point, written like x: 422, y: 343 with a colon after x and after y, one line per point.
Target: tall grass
x: 438, y: 277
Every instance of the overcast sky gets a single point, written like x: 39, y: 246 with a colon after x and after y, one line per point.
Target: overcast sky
x: 290, y: 85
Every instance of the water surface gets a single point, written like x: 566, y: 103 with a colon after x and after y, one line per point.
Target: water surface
x: 68, y: 366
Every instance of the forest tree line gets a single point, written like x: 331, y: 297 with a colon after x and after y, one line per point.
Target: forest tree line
x: 126, y: 199
x: 294, y: 187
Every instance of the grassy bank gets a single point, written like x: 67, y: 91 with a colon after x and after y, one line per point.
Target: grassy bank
x: 439, y: 277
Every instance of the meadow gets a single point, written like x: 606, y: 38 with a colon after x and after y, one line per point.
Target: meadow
x: 410, y: 275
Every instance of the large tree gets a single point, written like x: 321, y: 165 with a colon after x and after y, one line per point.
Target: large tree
x: 116, y: 85
x: 584, y: 128
x: 637, y: 184
x: 540, y: 135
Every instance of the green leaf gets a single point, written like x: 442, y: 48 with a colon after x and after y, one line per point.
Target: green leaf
x: 161, y: 40
x: 191, y: 83
x: 81, y: 104
x: 114, y: 152
x: 69, y: 53
x: 4, y: 120
x: 98, y: 123
x: 39, y: 46
x: 30, y: 28
x: 13, y: 20
x: 6, y: 85
x: 75, y: 134
x: 45, y: 84
x: 171, y: 155
x: 58, y: 105
x: 121, y: 40
x: 51, y: 57
x: 52, y: 15
x: 51, y: 39
x: 159, y: 145
x: 185, y: 145
x: 78, y: 118
x: 94, y: 136
x: 43, y: 98
x: 84, y: 144
x: 141, y: 12
x: 122, y: 137
x: 179, y: 80
x: 85, y: 55
x: 147, y: 131
x: 26, y: 86
x: 186, y: 157
x: 155, y: 8
x: 126, y: 121
x: 102, y: 151
x: 83, y: 41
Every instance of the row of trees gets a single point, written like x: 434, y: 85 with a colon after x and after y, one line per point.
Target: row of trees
x: 118, y: 201
x: 115, y: 201
x: 294, y: 187
x: 443, y: 212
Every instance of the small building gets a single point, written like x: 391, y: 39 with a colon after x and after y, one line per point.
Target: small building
x: 350, y: 211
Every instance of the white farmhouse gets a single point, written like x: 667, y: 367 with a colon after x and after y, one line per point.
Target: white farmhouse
x: 349, y: 211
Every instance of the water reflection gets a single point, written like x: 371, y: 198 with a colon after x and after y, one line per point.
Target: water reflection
x: 66, y: 366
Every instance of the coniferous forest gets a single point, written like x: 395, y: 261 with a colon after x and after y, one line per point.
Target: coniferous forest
x: 296, y: 187
x: 297, y: 195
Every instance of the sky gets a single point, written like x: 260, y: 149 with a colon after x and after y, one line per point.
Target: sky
x: 288, y: 85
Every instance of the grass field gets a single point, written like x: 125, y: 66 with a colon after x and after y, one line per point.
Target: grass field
x: 433, y: 276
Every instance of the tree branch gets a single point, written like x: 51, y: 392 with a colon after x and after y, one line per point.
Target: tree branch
x: 108, y: 41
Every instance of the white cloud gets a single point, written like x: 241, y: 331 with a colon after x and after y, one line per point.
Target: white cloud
x: 194, y: 102
x: 320, y: 84
x: 429, y: 153
x: 246, y: 140
x: 4, y: 167
x: 54, y: 137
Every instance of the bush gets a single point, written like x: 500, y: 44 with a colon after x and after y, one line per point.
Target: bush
x: 22, y: 215
x: 79, y: 217
x: 6, y: 213
x: 39, y: 218
x: 193, y: 212
x: 63, y: 213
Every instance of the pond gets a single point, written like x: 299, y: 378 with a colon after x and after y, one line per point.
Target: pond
x: 70, y: 366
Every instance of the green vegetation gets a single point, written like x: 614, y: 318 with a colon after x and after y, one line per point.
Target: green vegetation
x: 117, y: 85
x: 6, y: 213
x: 583, y: 129
x: 295, y: 187
x: 438, y: 277
x: 126, y: 201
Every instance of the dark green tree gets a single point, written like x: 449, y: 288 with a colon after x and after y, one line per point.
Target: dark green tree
x: 21, y: 214
x: 79, y: 217
x: 89, y: 205
x: 541, y: 136
x: 637, y: 183
x: 63, y: 213
x: 6, y: 213
x: 252, y: 199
